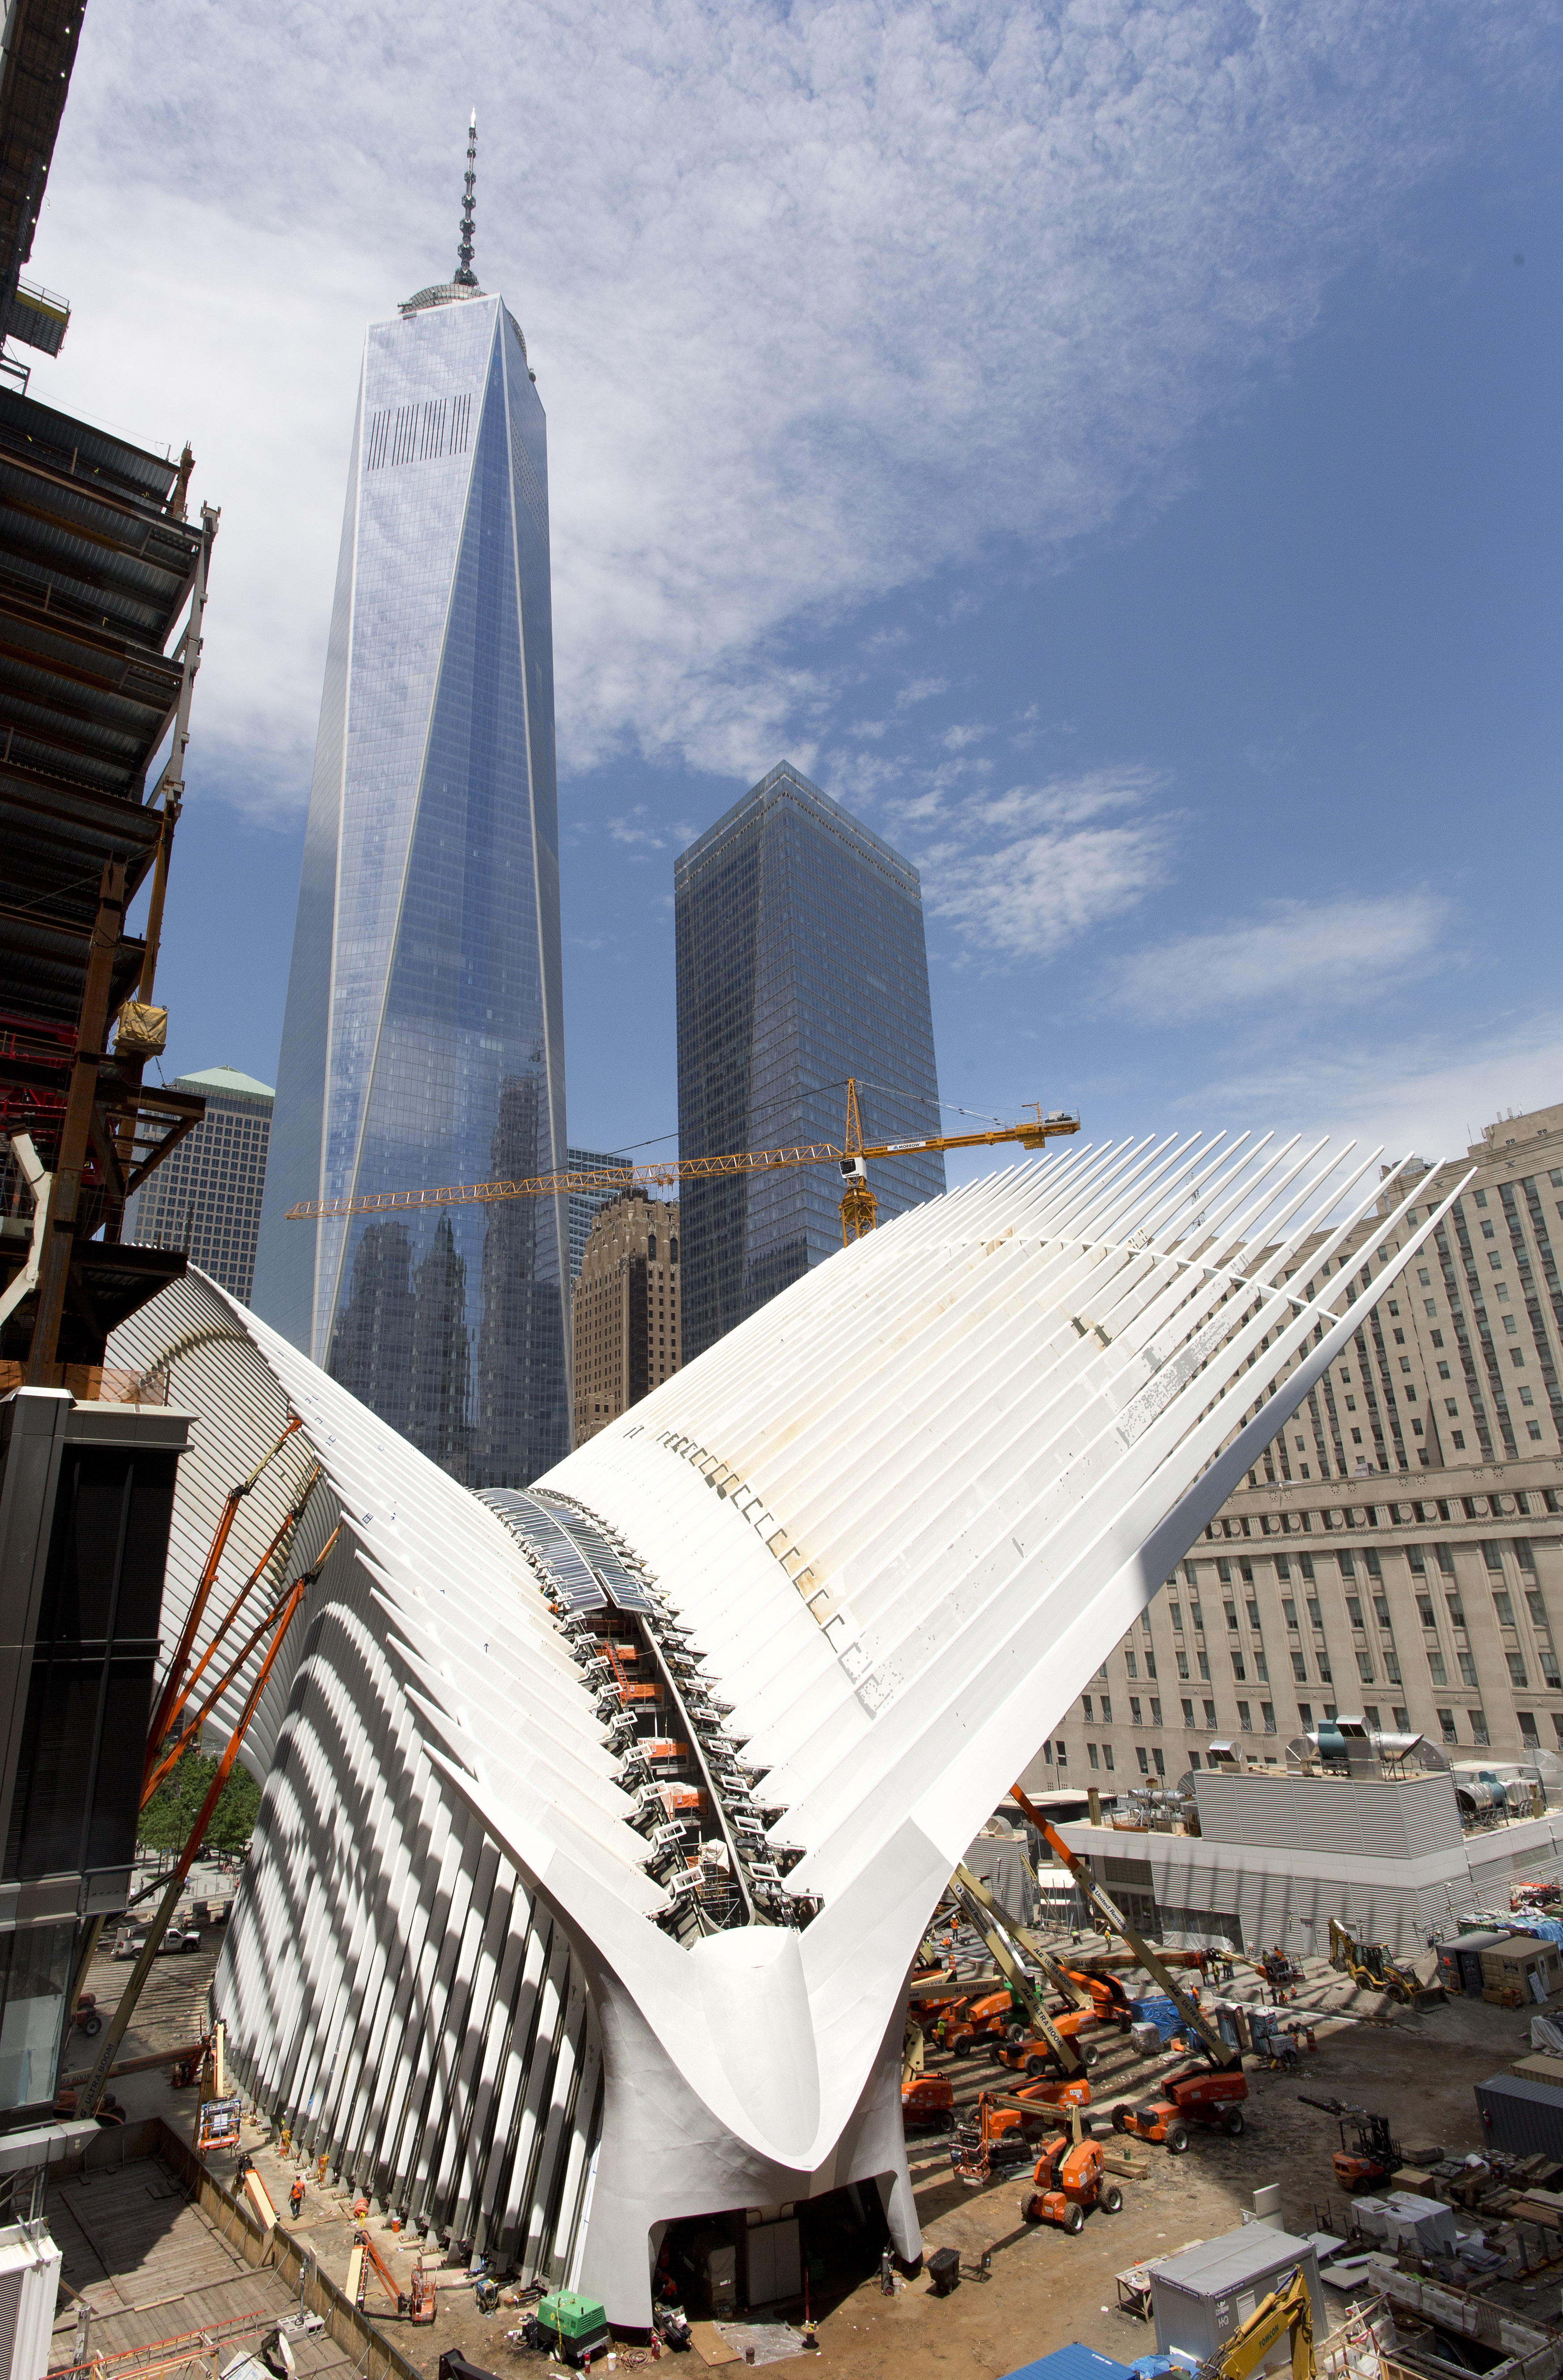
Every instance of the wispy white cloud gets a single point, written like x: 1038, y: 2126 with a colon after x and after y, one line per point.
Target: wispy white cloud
x: 920, y: 689
x: 1019, y: 875
x: 1433, y: 1093
x: 859, y: 777
x: 642, y: 833
x: 820, y: 298
x: 1313, y: 954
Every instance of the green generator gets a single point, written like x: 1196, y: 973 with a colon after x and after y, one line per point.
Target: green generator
x: 572, y: 2326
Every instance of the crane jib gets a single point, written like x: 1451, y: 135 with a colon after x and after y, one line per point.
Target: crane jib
x: 667, y: 1171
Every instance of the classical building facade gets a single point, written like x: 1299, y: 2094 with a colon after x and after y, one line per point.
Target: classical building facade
x: 423, y: 1038
x: 626, y: 1308
x: 205, y: 1196
x: 801, y: 960
x: 1397, y: 1549
x: 585, y: 1205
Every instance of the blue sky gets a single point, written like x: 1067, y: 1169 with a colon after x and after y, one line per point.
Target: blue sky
x: 1112, y: 449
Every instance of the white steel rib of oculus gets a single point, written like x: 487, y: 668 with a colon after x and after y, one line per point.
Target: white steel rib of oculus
x: 879, y: 1537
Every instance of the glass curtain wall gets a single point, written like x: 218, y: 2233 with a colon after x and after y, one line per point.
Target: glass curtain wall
x: 423, y: 1040
x: 801, y: 960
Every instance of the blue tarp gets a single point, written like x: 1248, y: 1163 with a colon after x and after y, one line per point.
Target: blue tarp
x: 1072, y: 2362
x: 1546, y: 1929
x: 1158, y: 2009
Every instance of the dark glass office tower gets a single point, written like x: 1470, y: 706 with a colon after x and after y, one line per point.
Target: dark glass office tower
x: 801, y: 960
x: 423, y: 1040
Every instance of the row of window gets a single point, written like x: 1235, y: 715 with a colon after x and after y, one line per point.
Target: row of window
x: 1546, y: 1658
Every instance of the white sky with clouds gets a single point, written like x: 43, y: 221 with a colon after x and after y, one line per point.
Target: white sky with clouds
x: 863, y: 331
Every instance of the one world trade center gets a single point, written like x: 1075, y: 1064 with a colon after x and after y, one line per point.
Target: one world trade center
x: 422, y: 1043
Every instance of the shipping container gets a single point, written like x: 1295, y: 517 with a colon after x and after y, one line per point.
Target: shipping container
x: 1523, y: 2118
x: 1459, y: 1960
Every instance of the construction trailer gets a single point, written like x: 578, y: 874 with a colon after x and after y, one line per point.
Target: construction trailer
x: 1521, y: 1971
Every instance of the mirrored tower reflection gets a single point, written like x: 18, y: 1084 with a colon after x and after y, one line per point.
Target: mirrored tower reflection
x: 423, y: 1037
x: 801, y: 960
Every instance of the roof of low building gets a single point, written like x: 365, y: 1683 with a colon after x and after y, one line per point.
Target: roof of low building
x: 226, y: 1078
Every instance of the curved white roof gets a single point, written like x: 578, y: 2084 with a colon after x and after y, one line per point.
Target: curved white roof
x: 903, y: 1512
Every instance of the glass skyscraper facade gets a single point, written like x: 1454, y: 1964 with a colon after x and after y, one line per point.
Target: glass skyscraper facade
x: 801, y: 960
x: 205, y: 1196
x: 423, y: 1037
x: 585, y: 1205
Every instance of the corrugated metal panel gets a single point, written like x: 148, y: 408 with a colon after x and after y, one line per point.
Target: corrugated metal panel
x: 377, y: 1976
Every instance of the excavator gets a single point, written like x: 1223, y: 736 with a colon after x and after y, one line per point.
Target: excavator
x: 1210, y: 2088
x: 1286, y: 2312
x: 859, y: 1208
x: 1372, y: 1967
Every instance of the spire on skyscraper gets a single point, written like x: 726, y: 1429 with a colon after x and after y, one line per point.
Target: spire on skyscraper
x: 465, y: 283
x: 465, y: 276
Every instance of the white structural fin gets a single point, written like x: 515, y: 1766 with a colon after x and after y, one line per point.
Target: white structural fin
x: 504, y: 1953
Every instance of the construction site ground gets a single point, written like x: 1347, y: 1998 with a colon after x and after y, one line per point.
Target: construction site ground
x: 144, y: 2269
x: 1045, y: 2287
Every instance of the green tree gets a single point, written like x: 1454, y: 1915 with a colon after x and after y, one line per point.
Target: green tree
x: 166, y: 1821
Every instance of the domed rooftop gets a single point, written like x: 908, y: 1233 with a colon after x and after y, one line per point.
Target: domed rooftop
x: 440, y: 293
x: 464, y: 282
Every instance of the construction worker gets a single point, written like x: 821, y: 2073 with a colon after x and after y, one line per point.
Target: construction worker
x: 296, y: 2196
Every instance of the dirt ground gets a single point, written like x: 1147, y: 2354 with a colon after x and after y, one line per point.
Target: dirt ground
x: 1048, y: 2289
x: 1045, y: 2287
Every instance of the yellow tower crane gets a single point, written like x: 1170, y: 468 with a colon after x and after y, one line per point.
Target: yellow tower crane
x: 859, y: 1208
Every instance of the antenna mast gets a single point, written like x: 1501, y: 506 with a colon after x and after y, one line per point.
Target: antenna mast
x: 465, y: 276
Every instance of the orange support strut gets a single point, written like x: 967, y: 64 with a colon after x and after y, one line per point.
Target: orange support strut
x: 162, y: 1716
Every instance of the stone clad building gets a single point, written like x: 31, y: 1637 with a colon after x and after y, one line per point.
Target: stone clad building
x: 626, y: 1319
x: 205, y: 1198
x: 1399, y: 1551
